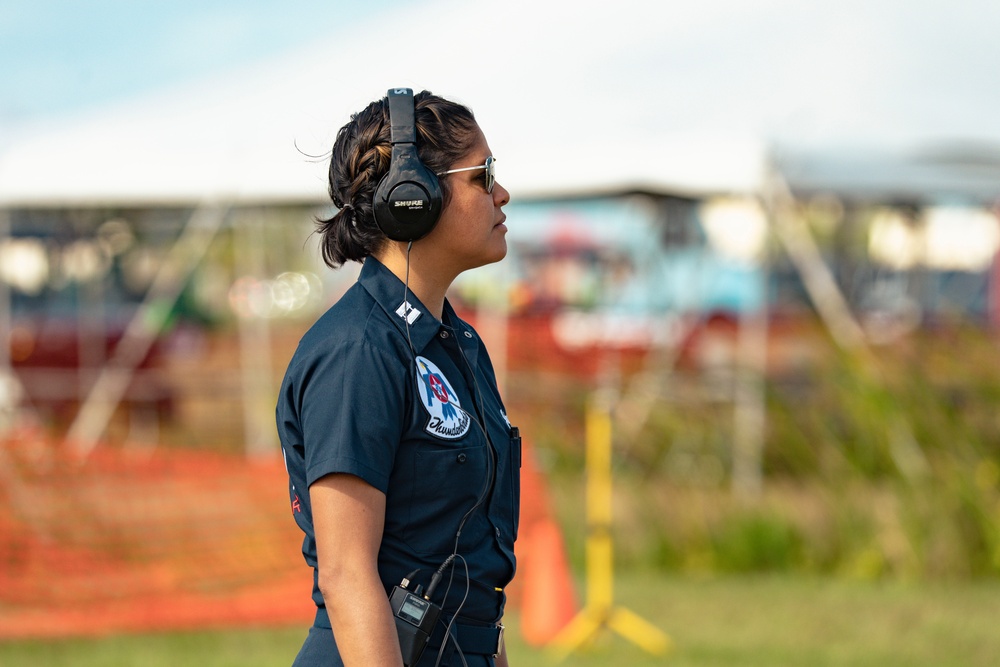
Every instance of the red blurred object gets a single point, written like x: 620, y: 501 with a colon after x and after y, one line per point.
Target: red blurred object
x: 57, y: 360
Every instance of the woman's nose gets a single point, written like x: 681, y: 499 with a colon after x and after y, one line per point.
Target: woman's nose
x: 501, y: 196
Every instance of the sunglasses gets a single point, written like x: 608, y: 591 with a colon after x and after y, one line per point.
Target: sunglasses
x: 491, y: 172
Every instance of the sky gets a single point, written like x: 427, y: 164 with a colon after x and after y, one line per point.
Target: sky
x: 58, y: 57
x: 642, y: 92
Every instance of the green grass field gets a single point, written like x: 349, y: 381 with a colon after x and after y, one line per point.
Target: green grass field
x: 767, y: 621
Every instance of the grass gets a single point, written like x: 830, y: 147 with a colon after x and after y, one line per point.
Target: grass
x: 768, y: 621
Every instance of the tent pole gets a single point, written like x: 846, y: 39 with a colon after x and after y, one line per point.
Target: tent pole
x: 10, y: 388
x: 816, y: 276
x: 254, y: 332
x: 146, y: 324
x: 847, y: 333
x: 750, y: 411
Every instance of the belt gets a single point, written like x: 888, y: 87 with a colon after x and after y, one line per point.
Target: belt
x: 474, y: 639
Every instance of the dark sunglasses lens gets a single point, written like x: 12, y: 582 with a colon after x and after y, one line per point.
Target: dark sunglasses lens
x: 491, y: 173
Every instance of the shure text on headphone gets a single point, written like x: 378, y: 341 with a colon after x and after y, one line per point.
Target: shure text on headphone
x: 410, y: 203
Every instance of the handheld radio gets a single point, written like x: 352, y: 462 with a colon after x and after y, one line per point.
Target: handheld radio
x: 415, y: 617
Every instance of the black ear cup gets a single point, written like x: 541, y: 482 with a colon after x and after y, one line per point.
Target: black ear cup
x: 408, y: 199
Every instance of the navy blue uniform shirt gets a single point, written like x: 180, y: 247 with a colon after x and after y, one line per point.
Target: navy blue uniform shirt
x: 405, y: 404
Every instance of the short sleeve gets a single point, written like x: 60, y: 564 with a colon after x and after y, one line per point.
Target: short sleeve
x: 352, y: 407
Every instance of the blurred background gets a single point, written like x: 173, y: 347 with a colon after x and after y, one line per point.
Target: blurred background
x: 765, y: 234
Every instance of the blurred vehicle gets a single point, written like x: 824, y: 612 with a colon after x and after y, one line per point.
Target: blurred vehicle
x: 66, y: 303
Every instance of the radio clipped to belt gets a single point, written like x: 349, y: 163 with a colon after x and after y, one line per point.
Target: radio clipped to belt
x: 415, y: 617
x: 417, y: 623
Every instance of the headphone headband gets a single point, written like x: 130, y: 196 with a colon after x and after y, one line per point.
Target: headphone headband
x: 402, y: 124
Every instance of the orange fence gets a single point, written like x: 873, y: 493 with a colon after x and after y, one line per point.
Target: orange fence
x: 130, y: 541
x: 169, y: 539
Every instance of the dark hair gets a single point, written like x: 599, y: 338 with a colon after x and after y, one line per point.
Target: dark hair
x: 360, y: 158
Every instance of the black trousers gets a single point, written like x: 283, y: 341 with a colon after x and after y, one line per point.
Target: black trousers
x: 320, y: 650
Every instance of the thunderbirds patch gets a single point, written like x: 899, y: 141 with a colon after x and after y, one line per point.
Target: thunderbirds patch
x: 447, y: 418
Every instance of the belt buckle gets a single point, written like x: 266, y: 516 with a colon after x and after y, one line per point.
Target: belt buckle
x: 500, y: 627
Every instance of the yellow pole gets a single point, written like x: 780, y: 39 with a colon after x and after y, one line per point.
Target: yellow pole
x: 599, y: 612
x: 599, y: 548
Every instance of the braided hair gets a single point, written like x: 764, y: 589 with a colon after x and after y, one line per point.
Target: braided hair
x: 360, y: 158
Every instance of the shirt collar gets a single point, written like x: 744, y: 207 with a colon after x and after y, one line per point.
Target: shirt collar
x: 387, y: 290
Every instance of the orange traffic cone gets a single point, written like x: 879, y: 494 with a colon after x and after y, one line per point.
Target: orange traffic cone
x: 548, y: 597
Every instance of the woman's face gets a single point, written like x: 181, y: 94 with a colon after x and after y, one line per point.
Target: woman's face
x: 471, y: 232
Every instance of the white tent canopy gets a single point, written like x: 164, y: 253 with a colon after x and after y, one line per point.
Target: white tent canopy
x: 606, y: 96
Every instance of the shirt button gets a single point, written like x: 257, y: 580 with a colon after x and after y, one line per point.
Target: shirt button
x: 461, y: 458
x: 443, y: 334
x: 468, y: 334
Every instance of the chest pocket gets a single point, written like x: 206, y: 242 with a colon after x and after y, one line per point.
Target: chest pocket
x: 448, y: 481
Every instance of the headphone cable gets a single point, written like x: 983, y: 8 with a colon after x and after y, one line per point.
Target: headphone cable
x: 488, y: 481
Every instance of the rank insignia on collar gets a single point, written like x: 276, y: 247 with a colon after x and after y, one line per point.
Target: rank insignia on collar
x: 408, y: 312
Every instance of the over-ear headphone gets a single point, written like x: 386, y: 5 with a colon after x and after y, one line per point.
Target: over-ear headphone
x: 408, y: 198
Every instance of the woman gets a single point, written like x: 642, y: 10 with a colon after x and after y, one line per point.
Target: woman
x: 403, y: 467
